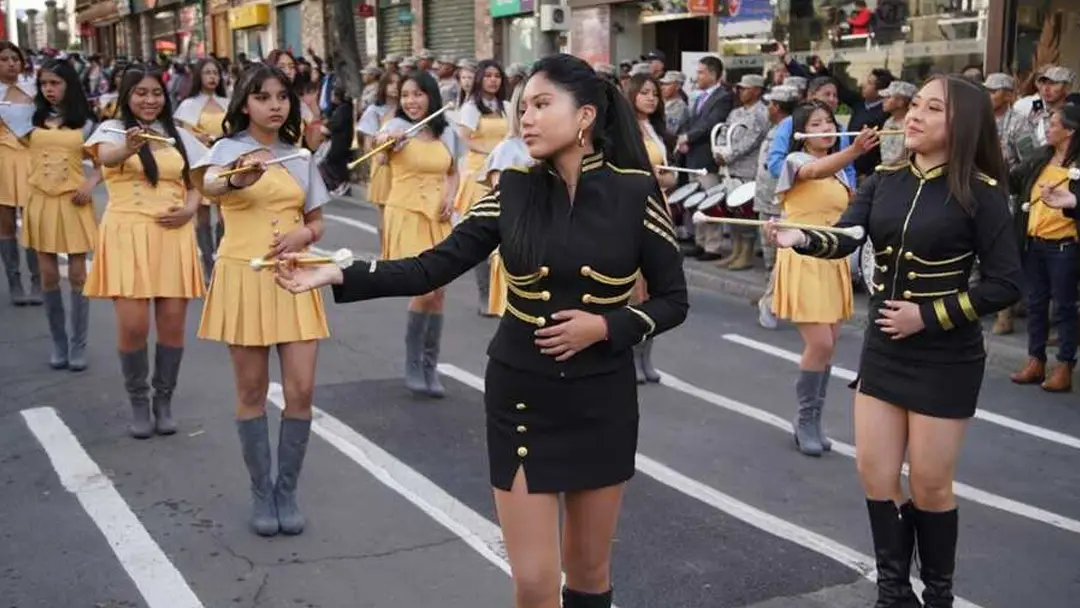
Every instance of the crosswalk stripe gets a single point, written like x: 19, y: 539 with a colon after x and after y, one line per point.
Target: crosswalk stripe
x: 981, y: 414
x: 159, y: 582
x: 766, y: 522
x: 963, y: 490
x: 348, y: 221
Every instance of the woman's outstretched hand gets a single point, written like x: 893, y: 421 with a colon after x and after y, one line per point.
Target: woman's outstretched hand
x: 300, y: 279
x: 784, y: 238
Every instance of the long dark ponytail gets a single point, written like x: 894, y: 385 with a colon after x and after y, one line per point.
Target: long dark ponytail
x: 615, y: 132
x: 132, y: 77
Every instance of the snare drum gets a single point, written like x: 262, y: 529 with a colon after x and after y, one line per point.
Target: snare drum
x: 683, y: 192
x: 740, y: 202
x: 712, y: 206
x: 693, y: 200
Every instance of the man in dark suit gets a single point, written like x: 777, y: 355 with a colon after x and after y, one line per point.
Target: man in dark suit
x: 709, y: 107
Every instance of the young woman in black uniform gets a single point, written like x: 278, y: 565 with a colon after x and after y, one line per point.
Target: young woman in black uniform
x: 923, y: 356
x: 575, y: 231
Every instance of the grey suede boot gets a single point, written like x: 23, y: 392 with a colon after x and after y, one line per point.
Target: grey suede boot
x: 292, y: 445
x: 255, y: 443
x: 204, y: 237
x: 651, y: 375
x: 483, y: 286
x: 54, y: 313
x: 135, y: 366
x: 9, y: 255
x: 826, y: 443
x: 80, y: 325
x: 806, y: 391
x: 580, y: 599
x: 430, y: 358
x: 166, y: 370
x: 414, y: 348
x: 34, y: 298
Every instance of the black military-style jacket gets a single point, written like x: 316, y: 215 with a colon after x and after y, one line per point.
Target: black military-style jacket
x: 925, y: 245
x: 616, y: 230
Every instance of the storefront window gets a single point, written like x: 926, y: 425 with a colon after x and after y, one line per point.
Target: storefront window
x: 521, y: 33
x: 912, y: 38
x: 1047, y: 31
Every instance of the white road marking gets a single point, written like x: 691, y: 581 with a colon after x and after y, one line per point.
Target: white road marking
x: 960, y: 489
x: 848, y: 375
x: 477, y: 531
x: 159, y: 582
x: 348, y: 221
x: 766, y: 522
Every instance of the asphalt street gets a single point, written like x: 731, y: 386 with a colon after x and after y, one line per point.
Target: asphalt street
x: 722, y: 513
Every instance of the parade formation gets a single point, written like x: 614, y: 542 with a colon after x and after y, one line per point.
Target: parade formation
x: 572, y: 194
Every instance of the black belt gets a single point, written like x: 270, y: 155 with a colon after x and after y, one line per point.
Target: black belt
x: 1064, y: 241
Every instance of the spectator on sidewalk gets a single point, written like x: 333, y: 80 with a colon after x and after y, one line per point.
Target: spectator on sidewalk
x: 711, y: 107
x: 1016, y: 134
x: 782, y: 101
x: 898, y: 96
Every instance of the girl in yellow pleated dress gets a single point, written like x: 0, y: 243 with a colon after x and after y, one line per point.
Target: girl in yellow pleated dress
x: 814, y: 293
x: 15, y: 124
x: 374, y: 118
x: 643, y: 91
x: 146, y: 258
x: 269, y: 210
x: 481, y: 126
x: 510, y: 152
x: 202, y: 113
x: 417, y: 215
x: 59, y: 213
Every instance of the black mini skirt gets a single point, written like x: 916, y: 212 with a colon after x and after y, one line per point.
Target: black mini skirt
x: 935, y: 389
x: 568, y: 434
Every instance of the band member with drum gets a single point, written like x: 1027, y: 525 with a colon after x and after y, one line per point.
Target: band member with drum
x: 747, y: 125
x: 560, y: 396
x: 815, y: 294
x: 923, y: 357
x: 782, y: 101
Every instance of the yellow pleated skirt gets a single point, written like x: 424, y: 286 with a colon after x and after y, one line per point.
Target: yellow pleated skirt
x: 378, y: 189
x: 54, y: 224
x: 245, y: 307
x: 14, y: 172
x: 497, y: 289
x: 811, y: 290
x: 138, y: 259
x: 470, y: 190
x: 409, y: 233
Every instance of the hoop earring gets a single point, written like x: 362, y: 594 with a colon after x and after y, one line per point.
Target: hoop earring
x: 581, y: 138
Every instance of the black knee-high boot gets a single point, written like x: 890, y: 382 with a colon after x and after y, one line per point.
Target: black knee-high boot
x: 893, y: 530
x: 580, y: 599
x: 936, y: 538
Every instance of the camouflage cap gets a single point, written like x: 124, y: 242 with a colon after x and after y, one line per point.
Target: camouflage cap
x: 783, y: 94
x: 899, y: 88
x: 1056, y: 73
x: 999, y: 81
x: 672, y: 77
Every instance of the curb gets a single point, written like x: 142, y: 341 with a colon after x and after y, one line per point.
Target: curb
x: 1000, y: 354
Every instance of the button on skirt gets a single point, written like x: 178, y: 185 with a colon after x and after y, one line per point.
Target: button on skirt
x: 568, y: 434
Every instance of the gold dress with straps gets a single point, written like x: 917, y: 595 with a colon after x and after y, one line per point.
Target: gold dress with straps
x: 245, y: 307
x: 379, y: 183
x: 136, y: 257
x: 413, y: 221
x: 209, y: 123
x: 14, y: 169
x: 52, y: 223
x: 813, y: 290
x: 491, y: 129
